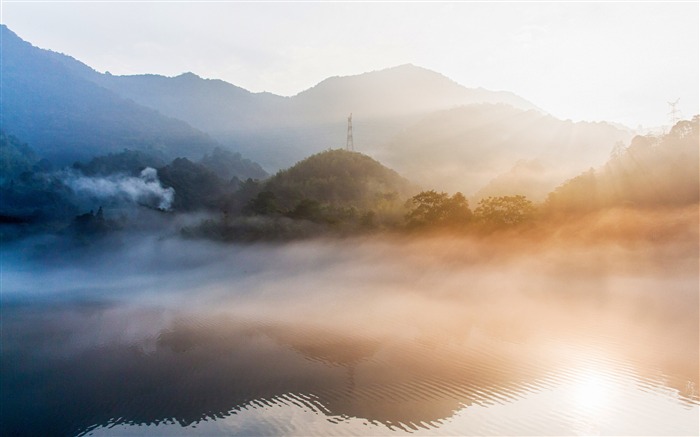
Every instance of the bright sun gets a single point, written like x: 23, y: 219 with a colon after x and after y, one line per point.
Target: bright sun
x: 591, y: 391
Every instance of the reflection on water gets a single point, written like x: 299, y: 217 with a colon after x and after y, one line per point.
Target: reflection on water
x: 433, y: 337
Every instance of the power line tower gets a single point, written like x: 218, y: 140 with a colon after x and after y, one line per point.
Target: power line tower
x: 349, y: 144
x: 674, y: 113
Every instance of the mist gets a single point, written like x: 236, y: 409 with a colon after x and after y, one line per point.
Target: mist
x: 144, y: 190
x: 389, y: 251
x: 456, y: 318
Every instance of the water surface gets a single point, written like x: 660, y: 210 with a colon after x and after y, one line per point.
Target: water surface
x: 359, y: 336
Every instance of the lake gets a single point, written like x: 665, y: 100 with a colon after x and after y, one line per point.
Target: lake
x: 358, y: 336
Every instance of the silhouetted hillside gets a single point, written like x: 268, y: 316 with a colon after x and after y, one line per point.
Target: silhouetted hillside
x: 332, y: 192
x: 211, y: 105
x: 196, y: 187
x: 228, y: 165
x: 48, y: 102
x: 339, y: 178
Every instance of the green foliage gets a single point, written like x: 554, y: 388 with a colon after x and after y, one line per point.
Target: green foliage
x: 239, y: 201
x: 337, y: 178
x: 430, y: 208
x: 307, y: 209
x: 265, y: 203
x: 37, y: 197
x: 336, y: 191
x: 335, y: 187
x: 196, y: 187
x: 129, y: 162
x: 504, y: 210
x: 227, y: 165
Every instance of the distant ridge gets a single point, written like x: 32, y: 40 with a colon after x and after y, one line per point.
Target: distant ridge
x: 277, y: 131
x: 425, y: 125
x: 49, y: 101
x: 216, y: 106
x: 401, y: 90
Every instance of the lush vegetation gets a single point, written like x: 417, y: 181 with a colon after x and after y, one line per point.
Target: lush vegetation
x: 228, y: 165
x: 335, y: 192
x: 429, y: 209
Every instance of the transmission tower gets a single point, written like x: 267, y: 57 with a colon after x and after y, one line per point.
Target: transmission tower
x: 349, y: 145
x: 674, y: 113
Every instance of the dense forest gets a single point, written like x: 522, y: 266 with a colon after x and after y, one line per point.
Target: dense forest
x: 335, y: 192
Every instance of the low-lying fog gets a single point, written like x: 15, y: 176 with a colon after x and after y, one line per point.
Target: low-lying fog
x: 440, y: 334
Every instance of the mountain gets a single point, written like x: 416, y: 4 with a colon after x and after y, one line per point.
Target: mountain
x: 278, y: 131
x: 464, y: 149
x: 651, y: 172
x: 48, y: 102
x: 216, y: 106
x: 428, y: 127
x: 211, y: 105
x: 399, y: 91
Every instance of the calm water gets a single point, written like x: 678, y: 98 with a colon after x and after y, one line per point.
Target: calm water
x: 432, y: 336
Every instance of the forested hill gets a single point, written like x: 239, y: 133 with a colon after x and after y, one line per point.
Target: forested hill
x: 340, y: 178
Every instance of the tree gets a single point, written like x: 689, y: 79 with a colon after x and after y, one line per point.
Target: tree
x: 264, y: 203
x: 430, y: 208
x: 505, y: 210
x: 581, y: 193
x: 307, y: 209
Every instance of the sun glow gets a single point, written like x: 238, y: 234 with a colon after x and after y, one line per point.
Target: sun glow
x: 592, y: 392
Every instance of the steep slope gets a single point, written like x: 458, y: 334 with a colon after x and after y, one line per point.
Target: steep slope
x: 464, y: 148
x: 211, y: 105
x: 48, y: 102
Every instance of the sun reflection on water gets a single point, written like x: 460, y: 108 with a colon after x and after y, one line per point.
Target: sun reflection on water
x: 592, y: 392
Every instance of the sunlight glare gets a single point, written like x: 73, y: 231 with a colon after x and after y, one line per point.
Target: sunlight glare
x: 592, y: 391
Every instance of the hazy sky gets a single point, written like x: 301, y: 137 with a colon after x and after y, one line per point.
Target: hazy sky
x: 593, y: 61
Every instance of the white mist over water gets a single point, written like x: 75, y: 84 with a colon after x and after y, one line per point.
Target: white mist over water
x: 367, y: 336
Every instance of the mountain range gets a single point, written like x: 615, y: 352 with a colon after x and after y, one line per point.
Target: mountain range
x: 431, y: 129
x: 65, y: 117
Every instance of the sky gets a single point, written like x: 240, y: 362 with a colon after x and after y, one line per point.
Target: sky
x: 621, y: 62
